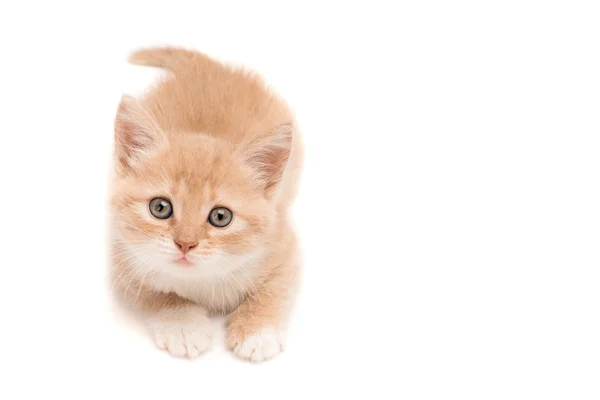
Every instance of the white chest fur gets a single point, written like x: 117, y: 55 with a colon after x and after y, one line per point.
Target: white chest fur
x: 220, y: 293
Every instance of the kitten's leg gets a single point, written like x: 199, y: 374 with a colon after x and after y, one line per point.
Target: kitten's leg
x: 255, y: 329
x: 177, y: 325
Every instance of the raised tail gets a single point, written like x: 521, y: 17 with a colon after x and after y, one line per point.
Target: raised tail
x: 169, y: 58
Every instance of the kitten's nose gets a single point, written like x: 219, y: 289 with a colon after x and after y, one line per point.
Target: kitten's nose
x: 185, y: 246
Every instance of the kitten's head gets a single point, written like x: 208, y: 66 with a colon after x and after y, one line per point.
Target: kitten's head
x: 188, y: 203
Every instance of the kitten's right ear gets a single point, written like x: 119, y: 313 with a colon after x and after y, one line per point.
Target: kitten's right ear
x: 137, y: 135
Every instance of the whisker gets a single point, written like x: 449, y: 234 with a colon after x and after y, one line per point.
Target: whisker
x: 204, y: 290
x: 119, y: 241
x: 139, y: 265
x: 129, y: 250
x: 122, y: 261
x: 222, y: 294
x: 212, y: 293
x: 137, y: 297
x: 255, y: 290
x: 198, y: 256
x: 241, y: 288
x: 227, y: 285
x: 117, y: 281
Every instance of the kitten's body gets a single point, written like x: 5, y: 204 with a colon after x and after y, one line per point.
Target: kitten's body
x: 208, y: 136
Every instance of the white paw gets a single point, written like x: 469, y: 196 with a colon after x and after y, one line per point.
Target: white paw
x: 262, y: 346
x: 185, y: 332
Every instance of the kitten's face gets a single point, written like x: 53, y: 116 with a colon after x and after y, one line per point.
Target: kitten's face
x: 164, y: 196
x: 192, y: 176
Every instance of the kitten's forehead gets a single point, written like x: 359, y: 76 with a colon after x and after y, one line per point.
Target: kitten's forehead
x: 192, y: 161
x: 198, y: 158
x: 198, y: 192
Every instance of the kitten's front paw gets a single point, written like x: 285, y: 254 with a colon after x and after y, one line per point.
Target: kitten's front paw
x: 183, y: 332
x: 265, y: 344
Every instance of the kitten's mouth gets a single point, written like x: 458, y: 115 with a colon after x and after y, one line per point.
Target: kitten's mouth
x: 184, y: 262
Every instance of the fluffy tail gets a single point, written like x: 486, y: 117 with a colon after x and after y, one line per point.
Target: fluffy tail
x: 169, y: 58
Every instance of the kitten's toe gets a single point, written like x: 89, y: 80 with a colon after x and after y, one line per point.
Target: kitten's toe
x: 183, y: 333
x: 265, y: 344
x: 183, y: 341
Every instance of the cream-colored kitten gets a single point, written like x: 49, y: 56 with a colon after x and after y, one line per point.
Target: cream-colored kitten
x: 206, y: 167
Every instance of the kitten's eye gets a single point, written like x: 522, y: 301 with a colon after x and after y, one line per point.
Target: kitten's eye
x: 220, y: 217
x: 161, y: 208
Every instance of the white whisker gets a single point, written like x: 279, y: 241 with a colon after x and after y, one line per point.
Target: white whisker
x: 129, y: 250
x: 139, y: 265
x: 249, y: 278
x: 117, y: 281
x: 142, y: 284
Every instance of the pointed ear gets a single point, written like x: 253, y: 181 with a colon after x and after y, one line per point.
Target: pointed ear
x: 137, y: 134
x: 268, y: 156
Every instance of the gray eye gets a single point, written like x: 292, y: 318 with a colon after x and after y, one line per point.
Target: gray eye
x: 161, y: 208
x: 220, y: 217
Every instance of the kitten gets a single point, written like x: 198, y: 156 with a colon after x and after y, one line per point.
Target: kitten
x: 206, y: 168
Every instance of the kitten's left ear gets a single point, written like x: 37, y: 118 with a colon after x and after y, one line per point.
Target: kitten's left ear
x: 136, y: 134
x: 269, y: 155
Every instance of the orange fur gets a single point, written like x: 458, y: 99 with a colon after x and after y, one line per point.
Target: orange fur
x: 209, y: 135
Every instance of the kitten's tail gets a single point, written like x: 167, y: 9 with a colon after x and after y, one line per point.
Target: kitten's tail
x: 169, y: 58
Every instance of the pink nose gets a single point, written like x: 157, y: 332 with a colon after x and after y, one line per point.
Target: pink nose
x: 185, y: 246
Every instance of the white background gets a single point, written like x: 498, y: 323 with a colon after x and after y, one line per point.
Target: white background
x: 449, y: 208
